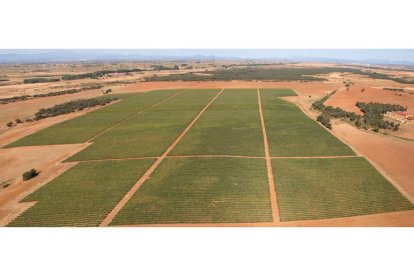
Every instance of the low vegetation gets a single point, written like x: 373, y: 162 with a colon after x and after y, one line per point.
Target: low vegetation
x: 291, y: 133
x: 49, y: 94
x: 40, y: 80
x: 201, y: 190
x: 100, y: 74
x: 82, y: 128
x: 309, y: 189
x: 70, y: 107
x: 150, y: 133
x: 30, y: 174
x: 235, y: 119
x: 263, y: 73
x: 83, y: 195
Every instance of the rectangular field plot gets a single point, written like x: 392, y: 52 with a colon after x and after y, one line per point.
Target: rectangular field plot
x: 278, y: 92
x: 201, y: 190
x: 230, y: 126
x: 151, y: 132
x: 309, y: 189
x: 83, y: 195
x: 291, y: 133
x: 82, y: 128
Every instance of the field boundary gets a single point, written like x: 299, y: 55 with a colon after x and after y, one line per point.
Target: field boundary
x: 271, y: 182
x: 108, y: 219
x: 132, y: 115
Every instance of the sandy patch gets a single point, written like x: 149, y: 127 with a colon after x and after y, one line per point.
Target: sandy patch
x: 347, y: 99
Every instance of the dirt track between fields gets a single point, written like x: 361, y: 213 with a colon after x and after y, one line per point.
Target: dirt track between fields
x: 271, y: 181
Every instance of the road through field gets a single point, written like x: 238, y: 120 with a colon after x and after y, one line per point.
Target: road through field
x: 272, y: 190
x: 145, y: 176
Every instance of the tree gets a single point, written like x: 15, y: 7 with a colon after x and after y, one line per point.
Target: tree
x: 30, y: 174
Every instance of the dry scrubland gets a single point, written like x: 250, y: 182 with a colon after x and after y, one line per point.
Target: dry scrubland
x: 206, y: 150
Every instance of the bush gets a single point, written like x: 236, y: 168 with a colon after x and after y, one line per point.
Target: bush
x: 324, y: 120
x: 18, y: 121
x: 30, y: 174
x: 9, y: 124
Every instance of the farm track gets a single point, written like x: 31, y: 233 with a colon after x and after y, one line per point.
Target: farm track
x: 108, y: 219
x: 272, y: 189
x: 132, y: 115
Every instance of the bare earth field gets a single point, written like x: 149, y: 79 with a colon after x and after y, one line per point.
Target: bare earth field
x: 394, y: 160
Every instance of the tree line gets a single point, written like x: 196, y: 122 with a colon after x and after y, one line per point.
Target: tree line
x: 99, y: 74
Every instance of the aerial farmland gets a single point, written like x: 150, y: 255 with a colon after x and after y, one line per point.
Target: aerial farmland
x: 160, y: 146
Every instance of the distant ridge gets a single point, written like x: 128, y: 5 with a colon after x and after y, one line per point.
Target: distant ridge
x: 375, y: 56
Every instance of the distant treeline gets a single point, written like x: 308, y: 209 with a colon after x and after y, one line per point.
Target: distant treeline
x: 264, y: 73
x: 248, y: 73
x: 162, y: 67
x: 50, y: 94
x: 70, y: 107
x: 40, y: 80
x: 375, y: 75
x: 373, y: 114
x: 394, y: 89
x: 99, y: 74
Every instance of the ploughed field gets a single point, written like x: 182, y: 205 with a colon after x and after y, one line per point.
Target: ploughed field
x: 199, y: 156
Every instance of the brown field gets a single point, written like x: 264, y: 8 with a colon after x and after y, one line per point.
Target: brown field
x: 394, y: 159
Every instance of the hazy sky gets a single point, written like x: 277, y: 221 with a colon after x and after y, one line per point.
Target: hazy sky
x: 391, y: 55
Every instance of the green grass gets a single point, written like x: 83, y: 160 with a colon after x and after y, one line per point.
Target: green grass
x: 291, y: 133
x: 231, y: 125
x: 83, y: 195
x: 82, y: 128
x: 278, y: 92
x: 201, y: 190
x: 151, y: 132
x: 309, y: 189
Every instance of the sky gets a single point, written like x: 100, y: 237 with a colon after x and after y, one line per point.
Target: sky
x: 397, y: 56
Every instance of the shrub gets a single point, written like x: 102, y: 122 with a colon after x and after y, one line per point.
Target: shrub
x: 324, y: 120
x: 18, y: 121
x: 30, y: 174
x: 9, y: 124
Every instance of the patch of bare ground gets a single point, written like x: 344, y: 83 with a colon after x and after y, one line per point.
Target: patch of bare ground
x: 347, y: 99
x: 15, y: 161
